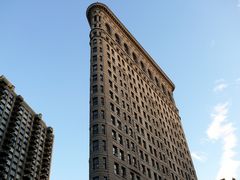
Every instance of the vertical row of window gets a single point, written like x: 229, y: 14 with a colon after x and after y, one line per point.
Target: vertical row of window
x: 98, y: 129
x: 6, y: 103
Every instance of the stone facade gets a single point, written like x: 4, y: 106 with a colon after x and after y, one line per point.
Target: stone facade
x: 135, y: 128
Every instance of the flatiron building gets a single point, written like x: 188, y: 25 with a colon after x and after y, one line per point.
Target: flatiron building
x: 25, y: 140
x: 135, y: 128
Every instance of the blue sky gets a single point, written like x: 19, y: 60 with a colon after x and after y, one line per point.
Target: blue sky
x: 44, y: 52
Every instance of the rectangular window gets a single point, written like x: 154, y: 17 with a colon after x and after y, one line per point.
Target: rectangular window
x: 94, y: 58
x: 103, y: 129
x: 95, y: 129
x: 94, y: 67
x: 96, y: 178
x: 120, y: 139
x: 101, y: 89
x: 102, y: 101
x: 121, y: 155
x: 105, y: 163
x: 95, y: 145
x: 95, y: 163
x: 94, y: 77
x: 104, y: 145
x: 95, y: 89
x: 116, y: 168
x: 114, y: 135
x: 95, y: 49
x: 113, y: 120
x: 115, y: 151
x: 123, y: 173
x: 95, y: 114
x: 95, y: 101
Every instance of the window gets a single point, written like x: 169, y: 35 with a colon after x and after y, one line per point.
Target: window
x: 108, y: 28
x: 163, y: 89
x: 95, y: 114
x: 103, y: 129
x: 131, y: 176
x: 118, y: 111
x: 113, y: 120
x: 111, y: 94
x: 95, y: 145
x: 105, y: 163
x: 112, y: 107
x: 95, y: 89
x: 95, y: 163
x: 95, y: 67
x: 101, y: 89
x: 104, y: 145
x: 102, y: 101
x: 95, y: 58
x: 96, y: 178
x: 95, y: 49
x: 94, y: 41
x: 119, y: 125
x: 115, y: 151
x: 94, y: 77
x: 117, y: 38
x: 114, y: 135
x: 157, y: 81
x: 126, y: 48
x: 123, y: 171
x: 134, y: 162
x: 95, y: 101
x: 150, y: 74
x: 134, y: 57
x: 121, y: 155
x: 149, y: 173
x: 95, y: 129
x: 102, y: 115
x: 116, y: 168
x: 120, y: 139
x: 101, y: 77
x: 142, y: 66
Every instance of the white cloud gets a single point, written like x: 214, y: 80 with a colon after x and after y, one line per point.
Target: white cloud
x: 220, y: 85
x: 238, y: 3
x: 198, y: 156
x: 222, y: 129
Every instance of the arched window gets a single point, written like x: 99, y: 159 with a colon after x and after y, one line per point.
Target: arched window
x: 126, y: 48
x: 142, y: 66
x: 150, y: 74
x: 134, y: 57
x: 108, y: 28
x: 117, y: 38
x: 157, y: 81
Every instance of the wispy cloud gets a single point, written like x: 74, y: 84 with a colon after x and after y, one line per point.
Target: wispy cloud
x: 220, y: 85
x: 238, y: 3
x: 222, y: 129
x: 199, y: 156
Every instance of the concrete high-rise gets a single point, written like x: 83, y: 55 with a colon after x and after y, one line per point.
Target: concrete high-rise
x: 25, y: 140
x: 135, y: 128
